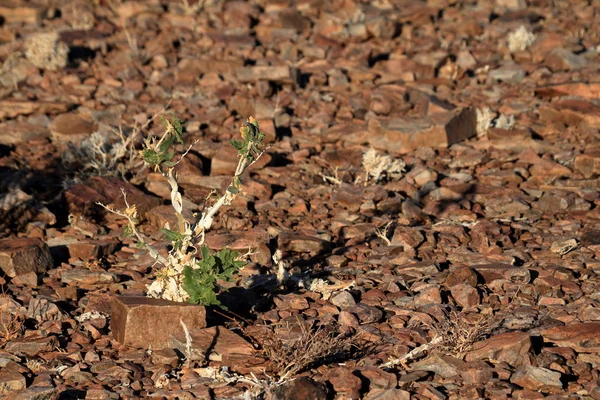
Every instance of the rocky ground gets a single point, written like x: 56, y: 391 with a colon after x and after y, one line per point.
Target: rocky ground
x: 473, y: 273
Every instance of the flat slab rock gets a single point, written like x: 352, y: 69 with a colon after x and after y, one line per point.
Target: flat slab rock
x: 403, y: 135
x: 144, y: 322
x: 19, y: 256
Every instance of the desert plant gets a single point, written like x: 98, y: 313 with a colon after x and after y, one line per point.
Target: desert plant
x: 190, y: 272
x: 11, y: 322
x: 315, y: 345
x: 377, y: 166
x: 46, y: 51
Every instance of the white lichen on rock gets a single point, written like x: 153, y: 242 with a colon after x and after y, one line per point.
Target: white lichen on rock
x: 520, y: 39
x: 378, y: 166
x: 505, y: 122
x: 46, y: 51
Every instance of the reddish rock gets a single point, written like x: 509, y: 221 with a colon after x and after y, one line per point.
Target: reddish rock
x: 301, y: 388
x: 581, y: 337
x: 465, y: 295
x: 214, y: 344
x: 537, y: 378
x: 344, y: 382
x: 279, y: 74
x: 23, y: 255
x: 82, y: 198
x: 404, y: 135
x: 149, y: 323
x: 511, y: 348
x: 11, y: 381
x: 491, y: 272
x: 71, y: 128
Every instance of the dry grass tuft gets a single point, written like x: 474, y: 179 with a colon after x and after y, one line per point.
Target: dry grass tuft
x: 458, y: 333
x: 520, y: 39
x: 46, y: 51
x: 11, y: 323
x: 315, y: 345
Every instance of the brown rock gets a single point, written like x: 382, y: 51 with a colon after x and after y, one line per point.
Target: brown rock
x: 71, y: 128
x: 11, y: 381
x: 446, y: 367
x: 404, y: 135
x: 581, y: 337
x: 588, y: 164
x: 491, y: 272
x: 14, y: 108
x: 564, y: 60
x: 87, y: 277
x: 31, y: 346
x: 379, y: 379
x: 26, y: 14
x: 586, y: 90
x: 82, y: 198
x: 465, y: 295
x: 12, y: 132
x: 389, y: 394
x: 214, y: 344
x: 537, y: 378
x: 88, y: 249
x: 144, y: 322
x: 22, y: 255
x: 344, y: 382
x: 511, y: 347
x: 279, y: 74
x: 461, y: 275
x: 302, y: 388
x: 291, y: 241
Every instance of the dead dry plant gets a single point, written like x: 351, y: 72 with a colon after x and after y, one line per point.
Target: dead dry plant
x: 315, y: 345
x: 11, y: 323
x: 46, y: 51
x: 454, y: 335
x: 101, y: 155
x: 378, y: 166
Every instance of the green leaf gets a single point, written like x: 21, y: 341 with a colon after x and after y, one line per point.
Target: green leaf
x: 201, y: 282
x: 232, y: 189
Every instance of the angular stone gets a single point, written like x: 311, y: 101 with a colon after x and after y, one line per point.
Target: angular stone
x: 343, y: 300
x: 11, y: 381
x: 461, y: 276
x: 581, y: 337
x: 379, y: 379
x: 279, y: 74
x: 537, y: 378
x: 389, y: 394
x: 295, y: 242
x: 511, y: 347
x: 579, y: 89
x: 144, y: 322
x: 71, y: 128
x: 22, y: 255
x: 465, y: 295
x: 14, y: 108
x: 344, y: 382
x: 92, y: 248
x: 82, y: 197
x: 26, y: 14
x: 12, y: 132
x: 564, y: 60
x: 301, y: 388
x: 405, y: 135
x: 32, y: 346
x: 445, y: 366
x: 491, y: 272
x: 587, y: 164
x: 87, y: 277
x: 214, y: 344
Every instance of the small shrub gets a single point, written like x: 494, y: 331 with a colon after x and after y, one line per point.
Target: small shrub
x: 378, y: 166
x: 190, y: 272
x: 520, y: 39
x: 46, y: 51
x: 316, y: 345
